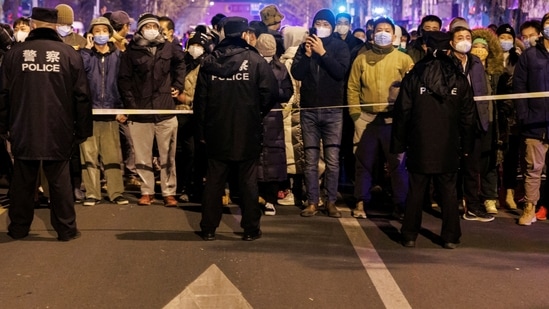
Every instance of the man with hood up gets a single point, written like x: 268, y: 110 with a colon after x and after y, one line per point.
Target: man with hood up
x: 152, y: 72
x: 236, y: 88
x: 432, y: 123
x: 321, y: 64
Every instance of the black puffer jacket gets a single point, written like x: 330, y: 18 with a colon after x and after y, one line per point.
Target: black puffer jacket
x: 433, y: 113
x: 147, y: 74
x: 323, y: 78
x: 235, y: 89
x: 45, y: 99
x: 272, y: 162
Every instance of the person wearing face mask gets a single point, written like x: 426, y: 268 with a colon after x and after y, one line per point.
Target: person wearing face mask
x: 507, y: 114
x: 189, y: 156
x: 533, y: 120
x: 152, y: 73
x: 343, y: 30
x: 321, y: 64
x: 272, y: 162
x: 372, y: 87
x: 487, y: 48
x: 21, y: 29
x: 433, y: 122
x: 472, y: 67
x: 530, y: 32
x: 64, y: 27
x: 101, y: 60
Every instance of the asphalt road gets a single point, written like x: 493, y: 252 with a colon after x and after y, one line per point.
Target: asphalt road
x: 150, y: 257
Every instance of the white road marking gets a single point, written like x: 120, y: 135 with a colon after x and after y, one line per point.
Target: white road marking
x: 383, y: 281
x: 212, y: 289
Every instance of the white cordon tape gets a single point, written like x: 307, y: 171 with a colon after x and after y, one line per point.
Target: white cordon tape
x: 513, y: 96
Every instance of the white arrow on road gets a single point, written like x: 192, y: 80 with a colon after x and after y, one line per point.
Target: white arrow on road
x: 212, y: 289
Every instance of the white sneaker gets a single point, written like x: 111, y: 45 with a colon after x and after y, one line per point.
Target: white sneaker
x: 490, y: 206
x: 270, y: 209
x: 288, y: 200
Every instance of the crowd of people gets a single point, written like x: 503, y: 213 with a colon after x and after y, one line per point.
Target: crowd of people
x: 273, y: 114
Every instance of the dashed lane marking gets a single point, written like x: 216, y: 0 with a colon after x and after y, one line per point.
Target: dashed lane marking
x: 383, y: 281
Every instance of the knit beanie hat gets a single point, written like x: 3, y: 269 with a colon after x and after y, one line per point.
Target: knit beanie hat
x: 145, y: 19
x: 233, y: 26
x: 65, y: 14
x: 266, y: 45
x: 200, y: 38
x: 327, y: 15
x: 506, y: 28
x: 270, y: 15
x: 101, y: 21
x: 458, y: 22
x: 481, y: 41
x: 345, y: 15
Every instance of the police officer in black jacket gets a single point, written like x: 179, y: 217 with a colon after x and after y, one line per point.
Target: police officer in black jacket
x: 432, y: 123
x: 236, y: 88
x: 44, y: 123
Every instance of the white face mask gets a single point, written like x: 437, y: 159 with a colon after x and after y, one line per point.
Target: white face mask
x: 323, y: 32
x: 21, y: 36
x: 64, y: 30
x: 463, y: 46
x: 150, y: 34
x: 195, y: 51
x: 403, y: 45
x: 342, y: 29
x: 268, y: 59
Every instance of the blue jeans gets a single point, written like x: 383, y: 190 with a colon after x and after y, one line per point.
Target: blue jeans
x: 325, y: 125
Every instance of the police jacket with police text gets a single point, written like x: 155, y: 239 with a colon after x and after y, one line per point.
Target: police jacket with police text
x: 147, y: 74
x: 323, y: 78
x: 44, y: 99
x: 236, y: 88
x: 433, y: 116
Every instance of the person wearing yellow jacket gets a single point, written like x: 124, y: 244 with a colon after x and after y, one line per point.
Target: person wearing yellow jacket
x: 372, y: 87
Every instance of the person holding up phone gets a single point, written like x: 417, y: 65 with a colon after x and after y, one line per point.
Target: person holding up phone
x: 321, y: 64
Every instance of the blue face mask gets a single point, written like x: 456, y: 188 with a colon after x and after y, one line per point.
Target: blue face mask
x: 101, y: 39
x: 383, y: 38
x: 506, y: 45
x: 546, y: 32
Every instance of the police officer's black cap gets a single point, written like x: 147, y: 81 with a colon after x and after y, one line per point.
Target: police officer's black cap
x: 44, y: 14
x: 233, y: 26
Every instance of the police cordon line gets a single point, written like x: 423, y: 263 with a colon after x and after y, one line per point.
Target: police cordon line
x: 514, y: 96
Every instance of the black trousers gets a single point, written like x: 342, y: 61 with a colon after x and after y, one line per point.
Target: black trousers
x: 216, y: 177
x: 23, y: 186
x: 184, y: 154
x: 445, y: 188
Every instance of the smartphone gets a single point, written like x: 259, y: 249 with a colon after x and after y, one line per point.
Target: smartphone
x: 312, y: 31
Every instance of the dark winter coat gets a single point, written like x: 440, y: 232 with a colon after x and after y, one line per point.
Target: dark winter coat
x: 45, y: 99
x: 272, y: 162
x: 415, y: 50
x: 351, y: 41
x: 146, y: 78
x: 323, y: 78
x: 433, y: 116
x: 235, y: 89
x: 531, y: 75
x: 477, y: 76
x: 102, y: 72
